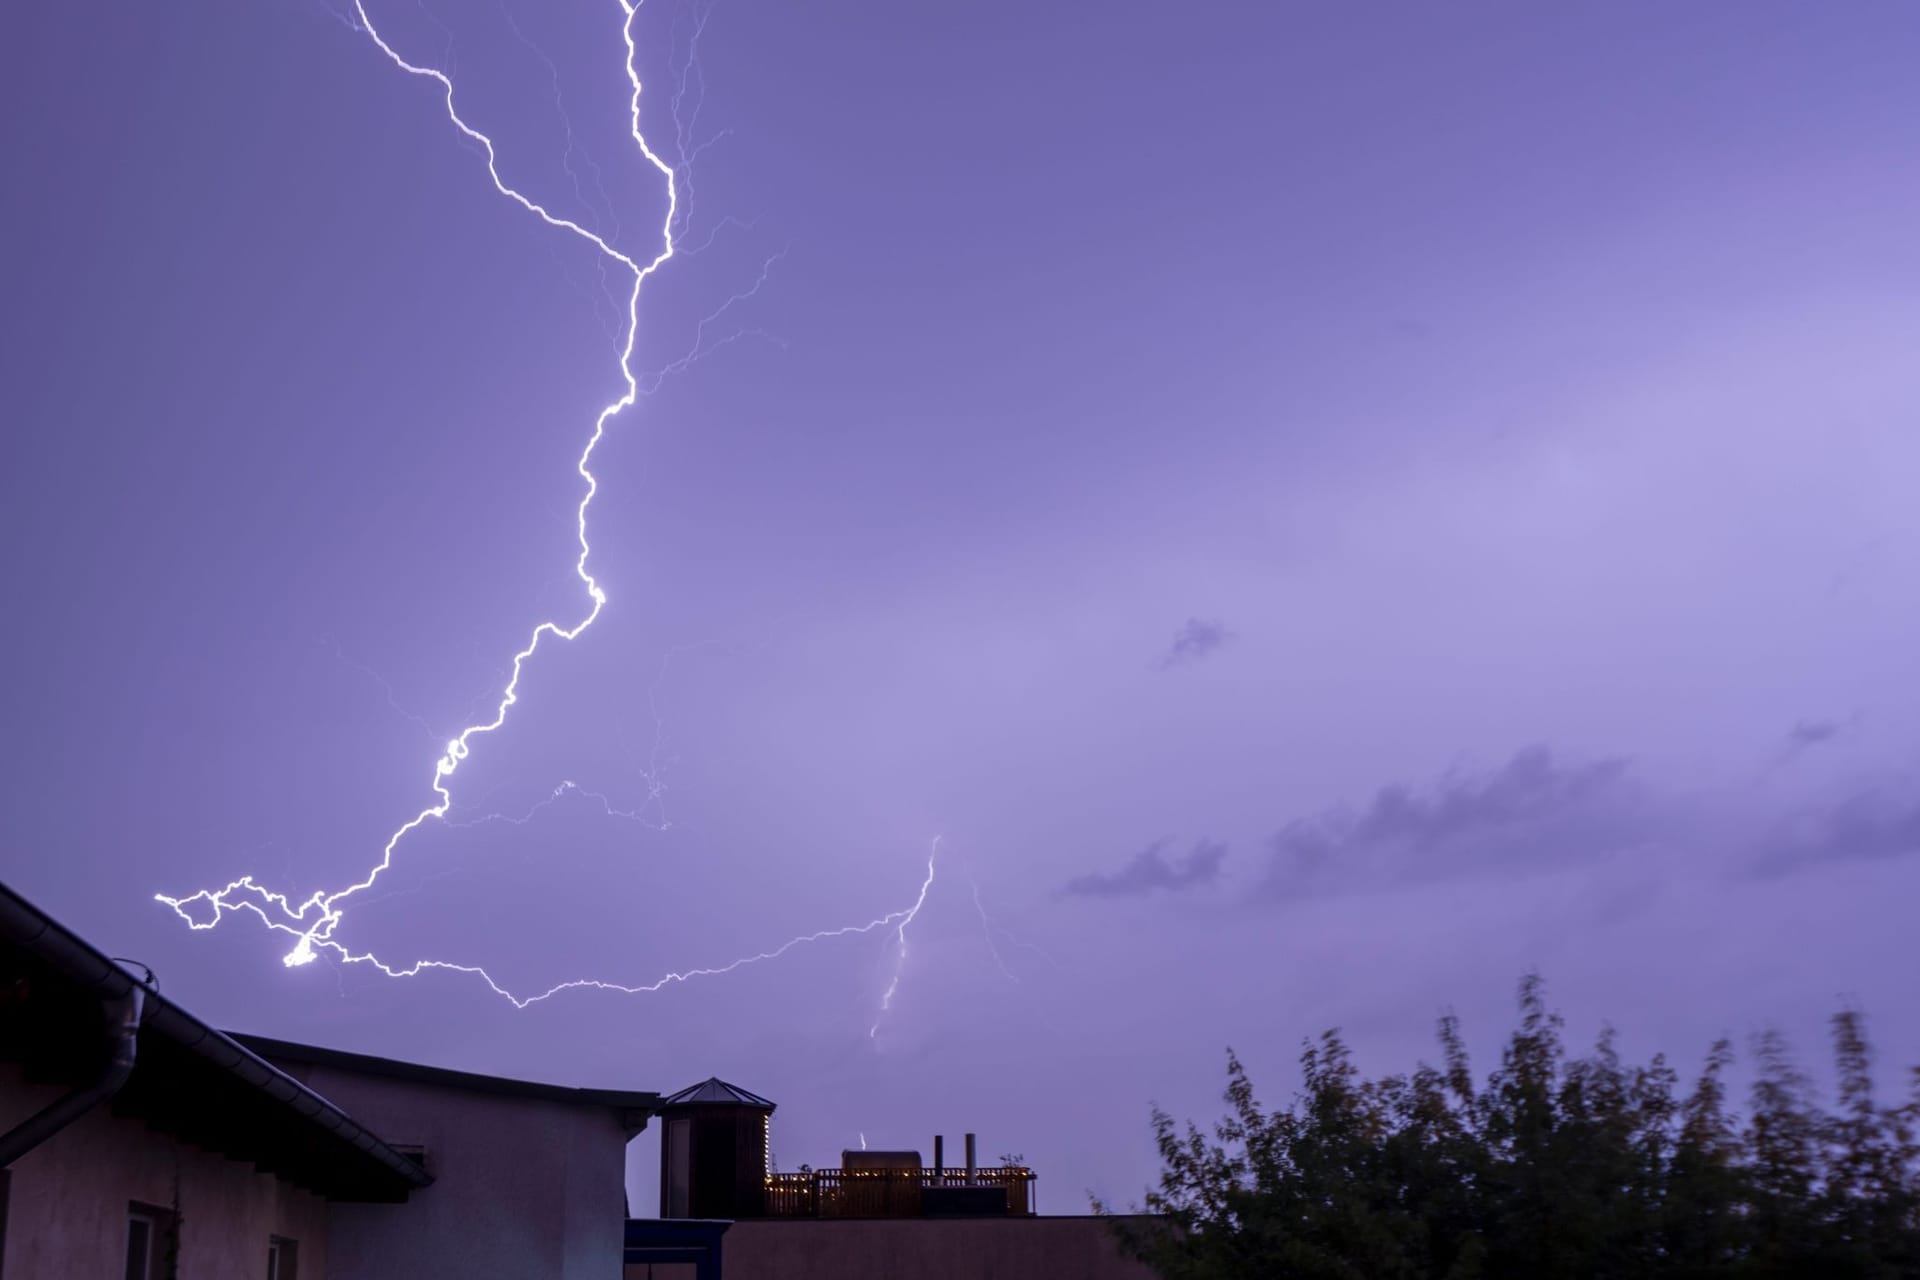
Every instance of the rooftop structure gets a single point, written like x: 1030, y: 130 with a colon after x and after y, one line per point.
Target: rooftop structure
x: 714, y: 1164
x: 725, y: 1211
x: 715, y: 1090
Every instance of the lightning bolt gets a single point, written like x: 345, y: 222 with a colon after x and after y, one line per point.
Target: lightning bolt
x: 314, y: 921
x: 566, y: 788
x: 987, y: 928
x: 325, y: 907
x: 604, y: 294
x: 991, y: 928
x: 386, y: 687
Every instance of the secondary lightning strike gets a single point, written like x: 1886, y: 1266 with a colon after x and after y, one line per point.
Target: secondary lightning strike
x: 566, y: 165
x: 987, y: 927
x: 900, y: 953
x: 386, y: 687
x: 393, y: 700
x: 313, y: 922
x: 566, y: 788
x: 691, y: 77
x: 650, y: 381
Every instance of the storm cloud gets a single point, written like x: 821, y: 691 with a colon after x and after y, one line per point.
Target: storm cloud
x: 1151, y: 871
x: 1870, y: 825
x: 1533, y: 809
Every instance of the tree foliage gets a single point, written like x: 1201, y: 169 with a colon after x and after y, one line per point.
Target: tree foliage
x: 1553, y: 1166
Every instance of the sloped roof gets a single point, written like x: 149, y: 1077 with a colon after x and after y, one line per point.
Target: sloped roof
x: 188, y: 1080
x: 282, y: 1051
x: 716, y: 1090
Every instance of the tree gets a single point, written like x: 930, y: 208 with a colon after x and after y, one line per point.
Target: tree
x: 1554, y: 1166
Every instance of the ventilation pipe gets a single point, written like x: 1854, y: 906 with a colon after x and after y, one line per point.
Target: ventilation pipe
x: 939, y: 1153
x: 122, y: 1014
x: 969, y: 1157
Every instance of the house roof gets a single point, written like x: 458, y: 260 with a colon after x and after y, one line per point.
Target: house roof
x: 716, y: 1090
x: 639, y: 1104
x: 188, y: 1080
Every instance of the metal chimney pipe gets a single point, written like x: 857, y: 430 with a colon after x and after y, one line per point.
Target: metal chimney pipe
x: 969, y: 1157
x: 939, y: 1153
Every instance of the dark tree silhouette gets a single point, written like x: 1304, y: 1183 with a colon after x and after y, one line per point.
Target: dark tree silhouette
x: 1555, y: 1166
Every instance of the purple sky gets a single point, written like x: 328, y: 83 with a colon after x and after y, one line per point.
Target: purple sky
x: 1321, y: 510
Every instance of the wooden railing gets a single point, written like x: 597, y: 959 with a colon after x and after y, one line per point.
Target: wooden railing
x: 887, y: 1193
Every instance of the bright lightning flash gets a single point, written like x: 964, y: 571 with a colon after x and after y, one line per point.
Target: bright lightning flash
x: 313, y: 922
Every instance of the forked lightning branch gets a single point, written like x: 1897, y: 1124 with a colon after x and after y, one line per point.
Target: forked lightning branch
x: 314, y: 922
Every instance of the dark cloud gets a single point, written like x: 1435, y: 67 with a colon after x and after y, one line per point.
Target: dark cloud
x: 1532, y: 810
x: 1195, y: 641
x: 1869, y: 826
x: 1150, y: 871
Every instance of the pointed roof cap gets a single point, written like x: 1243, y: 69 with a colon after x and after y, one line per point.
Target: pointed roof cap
x: 716, y: 1090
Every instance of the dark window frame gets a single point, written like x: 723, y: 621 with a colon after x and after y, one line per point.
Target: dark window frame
x: 163, y: 1241
x: 283, y: 1258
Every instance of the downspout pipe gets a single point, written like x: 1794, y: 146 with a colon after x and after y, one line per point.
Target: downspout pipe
x: 123, y: 1027
x: 122, y: 1014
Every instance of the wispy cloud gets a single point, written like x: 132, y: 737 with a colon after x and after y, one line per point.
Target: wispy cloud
x: 1151, y: 871
x: 1196, y: 640
x: 1193, y: 641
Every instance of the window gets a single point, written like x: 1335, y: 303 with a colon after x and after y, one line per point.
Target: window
x: 281, y: 1255
x: 151, y: 1243
x: 139, y: 1246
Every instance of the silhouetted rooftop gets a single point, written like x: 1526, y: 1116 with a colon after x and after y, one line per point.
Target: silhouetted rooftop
x: 716, y: 1090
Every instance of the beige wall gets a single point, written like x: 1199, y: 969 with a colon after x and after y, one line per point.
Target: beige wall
x: 927, y: 1249
x: 67, y: 1212
x: 522, y: 1188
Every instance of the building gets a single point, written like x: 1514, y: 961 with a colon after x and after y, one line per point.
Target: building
x: 556, y: 1155
x: 140, y: 1142
x: 724, y: 1211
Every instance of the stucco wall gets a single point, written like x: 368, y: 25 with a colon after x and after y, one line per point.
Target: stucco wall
x: 67, y: 1213
x: 522, y: 1187
x: 927, y: 1249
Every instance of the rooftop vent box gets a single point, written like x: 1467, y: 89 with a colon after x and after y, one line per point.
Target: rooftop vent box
x: 964, y: 1202
x: 879, y: 1160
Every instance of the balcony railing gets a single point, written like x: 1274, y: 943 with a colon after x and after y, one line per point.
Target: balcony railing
x: 895, y: 1193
